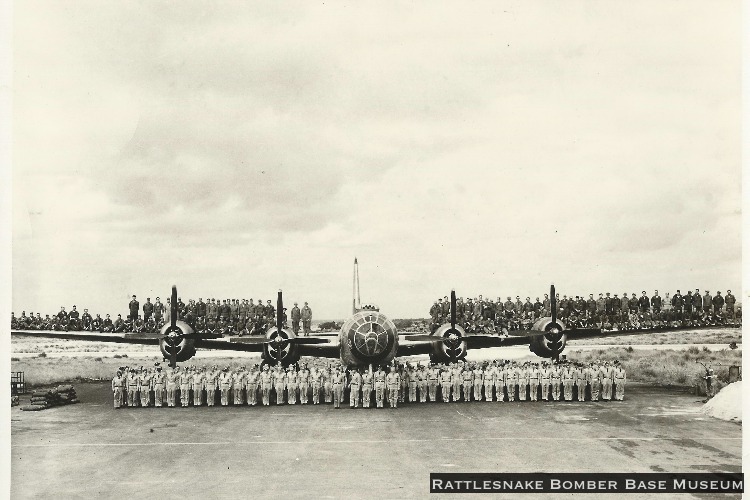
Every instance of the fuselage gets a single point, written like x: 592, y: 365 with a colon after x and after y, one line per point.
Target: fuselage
x: 368, y: 337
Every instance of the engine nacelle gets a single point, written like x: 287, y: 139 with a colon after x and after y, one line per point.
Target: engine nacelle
x: 452, y: 348
x: 281, y: 350
x: 551, y: 344
x: 185, y: 347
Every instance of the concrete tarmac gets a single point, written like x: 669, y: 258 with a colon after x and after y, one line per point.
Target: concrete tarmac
x: 90, y: 450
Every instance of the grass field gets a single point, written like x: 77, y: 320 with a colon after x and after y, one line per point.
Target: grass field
x: 706, y: 336
x: 666, y: 367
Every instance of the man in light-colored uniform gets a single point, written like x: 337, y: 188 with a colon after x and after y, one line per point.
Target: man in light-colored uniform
x: 367, y: 388
x: 446, y: 382
x: 393, y: 381
x: 117, y: 383
x: 380, y: 380
x: 355, y: 384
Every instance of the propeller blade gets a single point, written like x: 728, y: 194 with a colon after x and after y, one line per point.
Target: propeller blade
x: 553, y: 302
x: 453, y: 309
x: 173, y: 356
x: 173, y: 308
x: 279, y: 311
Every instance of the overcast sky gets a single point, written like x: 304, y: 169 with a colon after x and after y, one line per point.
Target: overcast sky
x: 493, y: 147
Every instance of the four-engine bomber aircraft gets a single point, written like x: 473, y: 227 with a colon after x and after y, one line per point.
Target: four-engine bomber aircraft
x: 368, y: 337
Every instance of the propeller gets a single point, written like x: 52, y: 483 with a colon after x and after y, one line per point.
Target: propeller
x: 453, y: 309
x: 173, y: 327
x: 279, y: 311
x: 553, y: 302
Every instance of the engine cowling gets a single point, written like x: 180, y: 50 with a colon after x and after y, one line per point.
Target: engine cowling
x: 452, y: 348
x: 552, y: 343
x: 280, y: 349
x: 185, y: 347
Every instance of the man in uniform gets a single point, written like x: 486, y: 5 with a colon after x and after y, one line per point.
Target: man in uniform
x: 457, y: 378
x: 421, y: 375
x: 73, y: 319
x: 306, y: 315
x: 148, y: 309
x: 580, y: 382
x: 546, y: 380
x: 186, y: 379
x: 568, y: 379
x: 338, y: 380
x: 595, y: 380
x: 656, y: 302
x: 119, y: 324
x: 159, y: 384
x: 134, y: 308
x: 433, y: 378
x: 718, y: 302
x: 619, y: 376
x: 410, y: 374
x: 380, y: 380
x: 266, y: 382
x: 327, y: 374
x: 225, y: 384
x: 446, y: 382
x: 291, y: 386
x: 239, y: 382
x: 355, y: 383
x: 296, y: 317
x: 117, y: 383
x: 367, y: 387
x: 316, y: 381
x: 279, y: 382
x: 197, y: 380
x: 607, y: 378
x: 133, y: 382
x: 490, y: 375
x: 535, y: 379
x: 730, y: 301
x: 511, y: 381
x: 677, y: 303
x: 145, y: 388
x: 393, y: 382
x: 524, y: 379
x: 303, y: 381
x: 707, y: 303
x: 500, y: 382
x: 478, y: 379
x: 555, y: 377
x: 86, y: 320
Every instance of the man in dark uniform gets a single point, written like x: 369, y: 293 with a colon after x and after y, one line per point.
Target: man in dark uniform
x: 656, y: 302
x: 73, y: 320
x: 698, y: 303
x: 296, y: 316
x: 119, y: 325
x: 148, y: 309
x: 718, y: 302
x: 86, y: 320
x: 200, y: 308
x: 134, y: 308
x: 96, y: 324
x: 677, y: 303
x: 644, y: 303
x: 730, y: 301
x: 306, y: 316
x: 707, y: 303
x: 158, y: 311
x: 107, y: 325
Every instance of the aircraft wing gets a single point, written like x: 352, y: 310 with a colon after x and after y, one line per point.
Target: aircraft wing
x: 119, y: 338
x: 308, y: 346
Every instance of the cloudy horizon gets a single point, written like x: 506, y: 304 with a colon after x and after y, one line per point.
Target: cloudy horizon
x: 491, y: 147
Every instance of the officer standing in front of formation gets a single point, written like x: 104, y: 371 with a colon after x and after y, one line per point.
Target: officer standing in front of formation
x: 380, y: 380
x: 367, y: 387
x: 134, y: 308
x: 393, y: 381
x: 296, y: 316
x: 117, y: 384
x: 306, y: 315
x: 354, y: 387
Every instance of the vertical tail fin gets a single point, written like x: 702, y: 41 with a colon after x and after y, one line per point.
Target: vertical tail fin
x: 356, y: 302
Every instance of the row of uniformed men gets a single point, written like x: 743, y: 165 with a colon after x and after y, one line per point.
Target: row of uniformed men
x: 491, y: 381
